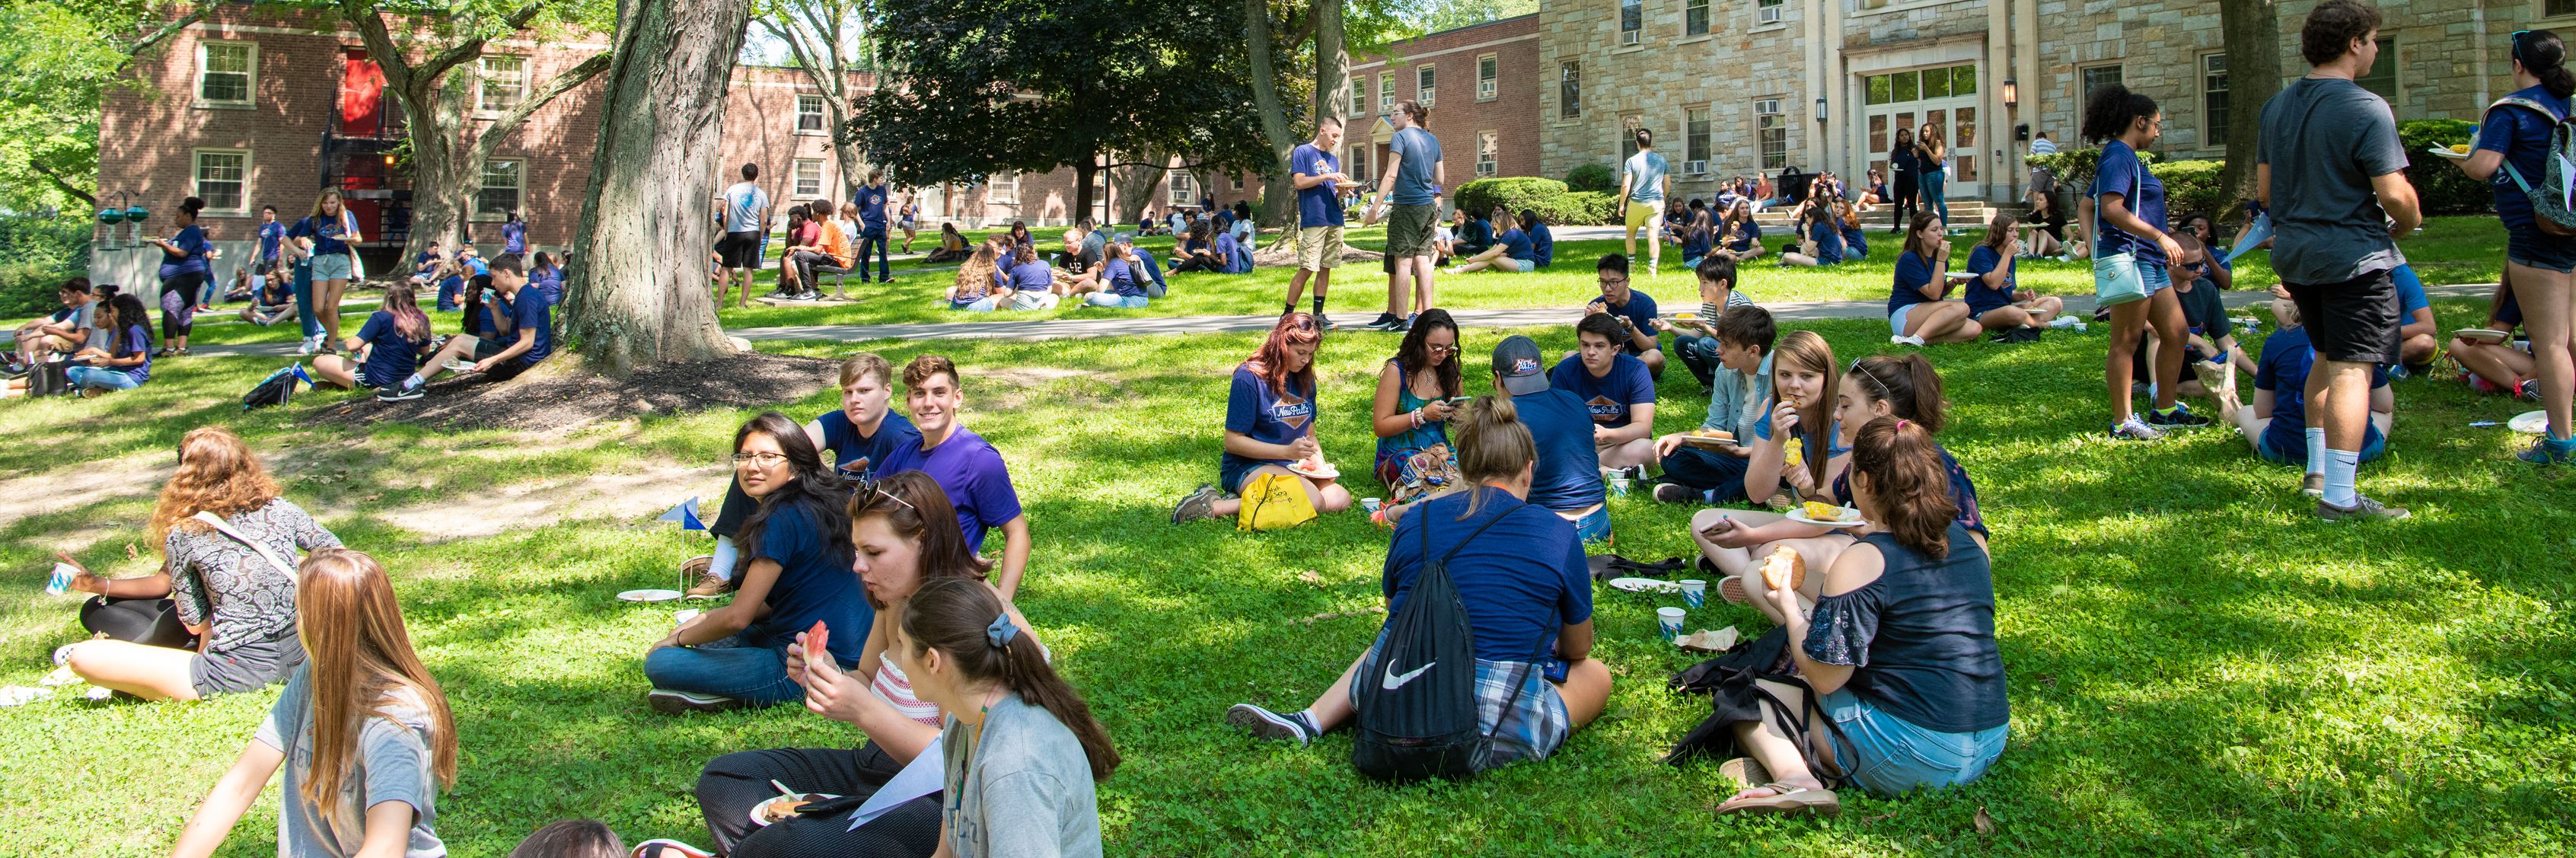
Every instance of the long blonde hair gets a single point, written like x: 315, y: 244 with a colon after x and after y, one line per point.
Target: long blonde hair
x: 218, y: 474
x: 361, y: 661
x: 1492, y: 445
x: 333, y: 195
x: 976, y: 276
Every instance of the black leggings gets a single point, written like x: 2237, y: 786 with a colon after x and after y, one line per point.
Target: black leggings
x: 150, y: 622
x: 180, y: 323
x: 1907, y: 189
x: 731, y: 785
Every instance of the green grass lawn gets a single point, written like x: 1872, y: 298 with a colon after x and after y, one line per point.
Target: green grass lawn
x: 2197, y: 666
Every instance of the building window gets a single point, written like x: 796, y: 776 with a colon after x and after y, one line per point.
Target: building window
x: 1422, y: 88
x: 1695, y: 140
x: 1238, y: 181
x: 1185, y: 189
x: 809, y: 177
x: 2382, y: 77
x: 1569, y: 89
x: 1386, y: 92
x: 1767, y: 11
x: 1487, y: 144
x: 499, y: 195
x: 504, y: 81
x: 1632, y: 20
x: 1485, y: 76
x: 1695, y: 18
x: 1771, y: 130
x: 2098, y: 77
x: 223, y: 180
x: 1005, y: 188
x: 2213, y: 100
x: 2555, y: 8
x: 1359, y: 96
x: 809, y: 114
x: 224, y: 73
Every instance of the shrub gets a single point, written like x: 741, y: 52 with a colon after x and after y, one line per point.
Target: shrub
x: 2443, y: 187
x: 1586, y: 208
x: 29, y: 289
x: 2193, y: 186
x: 1513, y: 193
x: 1593, y: 177
x: 36, y: 253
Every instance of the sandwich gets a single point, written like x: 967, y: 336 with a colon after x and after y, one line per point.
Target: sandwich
x: 1784, y: 569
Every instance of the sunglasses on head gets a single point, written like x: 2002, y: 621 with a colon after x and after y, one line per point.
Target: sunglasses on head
x: 869, y: 490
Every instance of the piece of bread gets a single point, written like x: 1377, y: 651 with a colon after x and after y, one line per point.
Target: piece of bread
x: 1784, y: 569
x: 1720, y: 434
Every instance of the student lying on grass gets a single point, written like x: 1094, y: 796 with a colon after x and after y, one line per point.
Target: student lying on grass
x: 387, y: 348
x: 1525, y: 588
x: 1900, y: 648
x: 1614, y: 387
x: 1270, y: 425
x: 2276, y: 423
x: 860, y: 434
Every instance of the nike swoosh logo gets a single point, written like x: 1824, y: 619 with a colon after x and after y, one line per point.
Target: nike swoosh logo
x: 1395, y: 680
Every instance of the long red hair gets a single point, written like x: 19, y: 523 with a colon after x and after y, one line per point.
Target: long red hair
x: 218, y: 474
x: 1271, y: 361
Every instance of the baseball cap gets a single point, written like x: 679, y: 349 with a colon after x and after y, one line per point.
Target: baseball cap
x: 1517, y: 360
x: 1125, y: 238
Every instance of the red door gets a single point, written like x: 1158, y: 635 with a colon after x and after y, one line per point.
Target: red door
x: 362, y: 95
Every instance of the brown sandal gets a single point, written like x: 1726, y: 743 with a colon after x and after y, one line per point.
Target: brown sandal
x: 1746, y: 772
x: 1785, y: 801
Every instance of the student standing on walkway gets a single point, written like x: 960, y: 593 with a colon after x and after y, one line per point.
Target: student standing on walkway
x: 327, y: 235
x: 2515, y: 139
x: 1317, y: 174
x: 2339, y: 201
x: 1643, y: 180
x: 1415, y: 176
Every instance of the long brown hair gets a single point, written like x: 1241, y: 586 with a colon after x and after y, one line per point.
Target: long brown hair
x: 1998, y: 229
x: 808, y: 489
x: 918, y: 510
x: 1807, y: 350
x: 977, y: 274
x: 1907, y: 383
x: 1908, y: 482
x: 1914, y: 235
x: 361, y: 661
x: 1271, y: 361
x: 952, y: 615
x: 218, y: 474
x: 1492, y: 445
x: 404, y: 306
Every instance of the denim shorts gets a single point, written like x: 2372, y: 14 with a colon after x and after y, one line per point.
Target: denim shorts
x: 979, y: 305
x: 101, y: 377
x: 1232, y: 472
x: 1107, y: 299
x: 1593, y: 527
x: 1891, y: 756
x: 2158, y: 278
x: 331, y: 267
x: 1896, y: 320
x: 1523, y: 266
x: 2527, y: 245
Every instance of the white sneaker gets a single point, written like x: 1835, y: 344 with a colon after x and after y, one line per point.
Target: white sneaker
x: 1906, y: 341
x: 2135, y: 429
x: 2064, y: 322
x: 1650, y: 268
x: 309, y: 345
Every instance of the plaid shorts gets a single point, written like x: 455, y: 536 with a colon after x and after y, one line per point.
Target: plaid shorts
x: 1527, y: 719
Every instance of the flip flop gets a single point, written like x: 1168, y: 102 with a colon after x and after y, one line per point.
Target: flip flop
x: 1787, y: 801
x: 1746, y: 772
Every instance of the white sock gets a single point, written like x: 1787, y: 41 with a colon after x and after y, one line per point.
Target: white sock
x: 2316, y: 449
x: 725, y: 557
x: 415, y: 380
x: 2339, y: 467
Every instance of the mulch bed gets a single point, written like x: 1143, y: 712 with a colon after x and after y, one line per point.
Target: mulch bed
x: 563, y: 401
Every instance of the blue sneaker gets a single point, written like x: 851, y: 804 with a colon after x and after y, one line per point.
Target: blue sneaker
x: 2548, y: 451
x: 2180, y: 416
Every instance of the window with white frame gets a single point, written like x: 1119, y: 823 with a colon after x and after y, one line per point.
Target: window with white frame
x: 1569, y: 89
x: 1695, y: 141
x: 1632, y: 21
x: 1771, y: 130
x: 1422, y: 85
x: 499, y: 194
x: 1185, y: 189
x: 504, y: 81
x: 1488, y: 145
x: 223, y: 180
x: 1485, y: 77
x: 1359, y: 96
x: 225, y: 73
x: 808, y: 175
x: 809, y: 114
x: 1695, y: 18
x: 2213, y: 99
x: 1386, y: 92
x: 1005, y: 188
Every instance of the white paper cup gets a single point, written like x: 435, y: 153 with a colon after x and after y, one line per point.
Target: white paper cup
x: 1619, y: 487
x: 1668, y: 622
x: 684, y: 615
x: 1694, y: 592
x: 1371, y: 504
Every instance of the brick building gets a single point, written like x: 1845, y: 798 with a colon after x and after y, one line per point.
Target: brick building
x: 1476, y: 81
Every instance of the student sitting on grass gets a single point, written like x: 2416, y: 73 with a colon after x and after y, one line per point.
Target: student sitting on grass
x: 1022, y: 750
x: 524, y: 334
x: 386, y: 349
x: 548, y: 276
x: 1416, y: 393
x: 364, y: 731
x: 952, y: 246
x: 275, y: 302
x: 68, y: 330
x: 860, y: 434
x: 1511, y: 251
x: 2209, y: 342
x: 1635, y: 311
x: 1615, y: 389
x: 1568, y: 480
x: 2276, y: 422
x: 978, y: 482
x: 1693, y: 339
x: 1521, y: 577
x: 2494, y: 364
x: 1821, y: 238
x: 1994, y: 298
x: 794, y: 571
x: 120, y: 357
x: 1919, y: 309
x: 906, y: 536
x: 1032, y: 285
x: 1739, y: 234
x: 1143, y: 261
x: 238, y: 603
x: 1117, y: 280
x: 1855, y: 239
x: 1542, y: 241
x: 2416, y: 329
x: 1197, y: 252
x: 1270, y: 425
x: 1696, y: 238
x: 1900, y: 650
x: 981, y: 286
x: 1474, y: 234
x: 1736, y: 393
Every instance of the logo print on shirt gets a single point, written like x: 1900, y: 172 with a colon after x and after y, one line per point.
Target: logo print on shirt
x: 1396, y: 680
x: 1603, y: 410
x: 1293, y: 410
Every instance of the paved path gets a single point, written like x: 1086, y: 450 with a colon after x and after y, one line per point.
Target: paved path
x: 1059, y: 329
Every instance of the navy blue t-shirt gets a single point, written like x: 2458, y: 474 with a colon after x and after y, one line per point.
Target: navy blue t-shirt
x: 270, y: 234
x: 1522, y: 580
x: 814, y: 583
x: 1568, y: 476
x: 390, y: 356
x: 2522, y: 134
x: 1266, y: 415
x: 1742, y: 236
x: 1640, y: 311
x: 1829, y: 243
x: 2141, y: 193
x: 1980, y: 297
x: 1542, y: 245
x: 1516, y: 245
x: 532, y: 315
x: 1320, y: 205
x: 1695, y: 243
x: 1912, y: 271
x: 327, y: 233
x: 872, y: 203
x: 850, y: 452
x: 1607, y: 398
x: 193, y: 248
x: 2288, y: 355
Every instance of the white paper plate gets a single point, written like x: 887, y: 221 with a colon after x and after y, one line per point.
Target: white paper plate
x: 1645, y: 585
x: 1964, y: 275
x: 759, y: 816
x: 2481, y: 335
x: 2530, y: 422
x: 649, y: 595
x: 2445, y: 151
x: 1800, y: 516
x: 1325, y: 473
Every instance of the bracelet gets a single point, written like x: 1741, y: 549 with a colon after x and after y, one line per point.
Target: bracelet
x: 1417, y: 418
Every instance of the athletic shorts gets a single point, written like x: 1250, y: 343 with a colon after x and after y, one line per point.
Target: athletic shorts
x: 2373, y: 445
x: 1641, y: 213
x: 1319, y: 247
x: 740, y: 249
x: 2355, y: 320
x: 1527, y: 719
x: 247, y: 667
x: 1409, y: 230
x: 2527, y: 245
x: 505, y: 370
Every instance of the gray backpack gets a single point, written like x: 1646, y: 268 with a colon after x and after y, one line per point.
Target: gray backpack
x: 2550, y: 202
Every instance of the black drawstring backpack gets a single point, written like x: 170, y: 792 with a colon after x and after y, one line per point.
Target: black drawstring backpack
x: 1417, y: 699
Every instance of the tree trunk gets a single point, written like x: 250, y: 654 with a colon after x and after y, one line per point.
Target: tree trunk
x: 1136, y: 185
x: 638, y: 295
x: 1332, y: 63
x: 2252, y: 29
x: 1082, y: 174
x: 436, y: 116
x: 1275, y: 204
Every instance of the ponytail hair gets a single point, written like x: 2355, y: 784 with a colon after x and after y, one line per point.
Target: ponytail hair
x: 963, y: 619
x: 1492, y: 445
x: 2112, y: 110
x: 2544, y: 55
x: 1907, y: 483
x: 1907, y: 383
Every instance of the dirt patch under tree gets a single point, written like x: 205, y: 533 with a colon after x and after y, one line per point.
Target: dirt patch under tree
x: 549, y: 402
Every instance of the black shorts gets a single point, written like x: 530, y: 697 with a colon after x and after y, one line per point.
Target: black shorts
x: 2355, y: 320
x: 740, y: 249
x: 504, y: 371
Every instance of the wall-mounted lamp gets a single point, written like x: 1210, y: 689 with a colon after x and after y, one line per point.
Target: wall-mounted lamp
x: 1820, y: 110
x: 2012, y: 93
x: 389, y: 160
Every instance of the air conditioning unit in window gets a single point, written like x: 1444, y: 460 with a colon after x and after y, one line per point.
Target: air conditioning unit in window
x: 1767, y: 14
x: 1768, y: 105
x: 1484, y: 89
x: 1695, y: 168
x: 1426, y: 97
x: 1629, y: 37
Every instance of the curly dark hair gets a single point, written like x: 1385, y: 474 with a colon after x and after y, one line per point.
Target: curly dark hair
x: 2112, y: 110
x: 2332, y: 26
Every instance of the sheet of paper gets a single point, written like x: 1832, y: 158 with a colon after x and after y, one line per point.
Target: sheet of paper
x: 2255, y: 235
x: 922, y: 777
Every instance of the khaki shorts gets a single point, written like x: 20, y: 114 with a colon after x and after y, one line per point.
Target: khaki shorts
x: 1319, y: 247
x: 1408, y: 230
x: 1641, y: 213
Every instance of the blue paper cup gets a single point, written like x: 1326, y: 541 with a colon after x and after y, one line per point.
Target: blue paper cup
x: 1668, y: 623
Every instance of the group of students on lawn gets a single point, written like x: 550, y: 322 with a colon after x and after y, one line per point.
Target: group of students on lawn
x: 1006, y: 272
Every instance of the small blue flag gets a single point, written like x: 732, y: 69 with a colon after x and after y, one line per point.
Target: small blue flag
x: 300, y: 376
x: 686, y: 514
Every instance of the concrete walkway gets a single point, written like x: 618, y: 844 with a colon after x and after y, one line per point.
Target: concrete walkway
x: 1060, y: 329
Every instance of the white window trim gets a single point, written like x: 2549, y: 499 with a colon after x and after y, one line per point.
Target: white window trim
x: 476, y: 202
x: 820, y: 109
x: 1001, y: 191
x: 2200, y: 81
x: 1710, y: 144
x: 194, y: 166
x: 1484, y: 92
x: 1628, y: 38
x: 1182, y: 189
x: 1495, y: 166
x: 1425, y: 94
x: 197, y: 91
x: 1385, y: 92
x: 822, y: 179
x: 526, y: 68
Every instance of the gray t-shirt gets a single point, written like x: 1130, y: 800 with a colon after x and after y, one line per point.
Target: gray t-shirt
x: 1646, y: 171
x: 392, y: 764
x: 250, y: 599
x: 1030, y: 792
x: 1413, y: 178
x: 2324, y: 139
x: 744, y: 203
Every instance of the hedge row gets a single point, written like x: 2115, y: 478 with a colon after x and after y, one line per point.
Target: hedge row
x: 1548, y: 197
x: 2442, y: 186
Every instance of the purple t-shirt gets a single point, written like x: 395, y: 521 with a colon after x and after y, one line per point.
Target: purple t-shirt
x: 971, y: 472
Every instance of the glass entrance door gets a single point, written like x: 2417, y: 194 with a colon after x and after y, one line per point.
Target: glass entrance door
x: 1940, y: 102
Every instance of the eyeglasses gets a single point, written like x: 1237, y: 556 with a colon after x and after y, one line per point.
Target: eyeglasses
x: 870, y: 490
x: 766, y: 460
x: 1614, y: 281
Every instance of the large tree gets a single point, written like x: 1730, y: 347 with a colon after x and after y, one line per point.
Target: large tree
x: 638, y: 292
x: 828, y: 39
x: 1033, y: 85
x: 2252, y: 29
x: 437, y: 93
x: 57, y: 64
x: 1307, y: 44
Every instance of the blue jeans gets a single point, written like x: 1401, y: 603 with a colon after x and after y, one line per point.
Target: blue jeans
x: 735, y: 667
x: 1709, y: 472
x: 304, y: 298
x: 1699, y: 355
x: 1110, y: 299
x: 1891, y: 756
x: 100, y: 377
x: 872, y: 237
x: 1932, y: 199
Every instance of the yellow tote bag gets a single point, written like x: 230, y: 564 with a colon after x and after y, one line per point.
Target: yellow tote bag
x: 1274, y: 502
